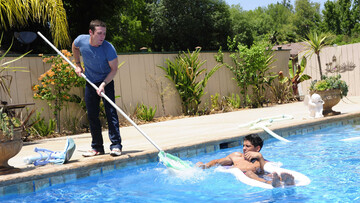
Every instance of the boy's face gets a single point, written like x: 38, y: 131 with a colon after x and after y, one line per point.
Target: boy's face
x: 248, y: 147
x: 98, y: 36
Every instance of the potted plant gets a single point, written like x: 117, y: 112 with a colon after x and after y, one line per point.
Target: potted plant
x: 10, y: 125
x: 332, y: 90
x: 13, y: 128
x: 10, y: 139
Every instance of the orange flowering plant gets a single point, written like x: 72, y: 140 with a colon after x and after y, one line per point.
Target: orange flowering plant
x: 56, y: 83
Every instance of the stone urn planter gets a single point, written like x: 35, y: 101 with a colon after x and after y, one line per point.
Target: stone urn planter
x: 9, y: 147
x: 331, y: 98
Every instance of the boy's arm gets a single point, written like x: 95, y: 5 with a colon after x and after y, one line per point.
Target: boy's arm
x: 114, y: 67
x: 76, y: 54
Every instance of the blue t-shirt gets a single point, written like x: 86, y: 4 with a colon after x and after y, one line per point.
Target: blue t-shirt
x: 96, y: 59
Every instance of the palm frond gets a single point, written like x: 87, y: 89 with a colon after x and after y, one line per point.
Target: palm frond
x: 19, y: 12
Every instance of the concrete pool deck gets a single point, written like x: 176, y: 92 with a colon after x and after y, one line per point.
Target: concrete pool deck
x: 182, y: 137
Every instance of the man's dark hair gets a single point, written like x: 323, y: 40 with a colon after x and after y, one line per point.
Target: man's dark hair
x: 255, y: 140
x: 96, y: 23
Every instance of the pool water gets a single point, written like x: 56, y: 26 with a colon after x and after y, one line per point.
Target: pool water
x: 332, y: 165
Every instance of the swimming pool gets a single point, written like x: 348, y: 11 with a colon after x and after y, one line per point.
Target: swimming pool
x: 332, y: 165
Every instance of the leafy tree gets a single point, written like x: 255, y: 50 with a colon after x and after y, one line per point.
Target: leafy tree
x: 356, y: 16
x: 356, y: 11
x: 279, y: 15
x: 346, y: 21
x: 242, y: 28
x: 281, y: 23
x: 129, y: 27
x: 342, y: 18
x: 262, y: 22
x: 191, y: 23
x: 127, y: 21
x: 331, y: 17
x: 18, y: 13
x: 287, y: 4
x: 81, y: 12
x: 250, y: 26
x: 307, y: 17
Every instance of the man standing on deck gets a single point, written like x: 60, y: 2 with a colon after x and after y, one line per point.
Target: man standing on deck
x: 101, y: 64
x: 251, y: 162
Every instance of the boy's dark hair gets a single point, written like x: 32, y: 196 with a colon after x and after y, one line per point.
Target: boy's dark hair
x: 255, y: 140
x: 96, y: 23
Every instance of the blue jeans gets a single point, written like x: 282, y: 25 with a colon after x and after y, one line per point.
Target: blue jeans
x: 92, y: 100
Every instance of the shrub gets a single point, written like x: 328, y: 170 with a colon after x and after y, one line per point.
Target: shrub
x: 145, y: 113
x: 234, y: 101
x: 41, y: 127
x: 185, y: 72
x: 56, y: 83
x: 251, y: 70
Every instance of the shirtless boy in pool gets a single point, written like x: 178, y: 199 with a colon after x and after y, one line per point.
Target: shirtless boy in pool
x: 251, y: 162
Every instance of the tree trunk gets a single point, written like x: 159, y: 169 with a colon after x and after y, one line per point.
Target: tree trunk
x: 318, y: 57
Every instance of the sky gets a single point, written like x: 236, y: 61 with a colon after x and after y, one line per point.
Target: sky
x: 253, y: 4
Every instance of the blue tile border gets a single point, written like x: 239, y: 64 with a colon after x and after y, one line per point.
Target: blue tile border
x: 185, y: 152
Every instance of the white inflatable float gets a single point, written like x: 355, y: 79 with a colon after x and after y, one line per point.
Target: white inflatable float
x: 350, y: 139
x: 269, y: 167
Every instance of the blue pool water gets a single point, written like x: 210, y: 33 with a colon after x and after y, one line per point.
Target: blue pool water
x: 332, y: 165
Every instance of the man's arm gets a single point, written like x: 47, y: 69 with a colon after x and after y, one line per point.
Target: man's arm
x: 114, y: 67
x: 256, y: 155
x: 76, y: 54
x: 227, y: 161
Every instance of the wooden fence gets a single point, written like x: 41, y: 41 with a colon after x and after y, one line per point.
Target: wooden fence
x: 139, y: 80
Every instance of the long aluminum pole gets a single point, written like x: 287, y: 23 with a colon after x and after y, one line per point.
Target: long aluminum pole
x: 102, y: 93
